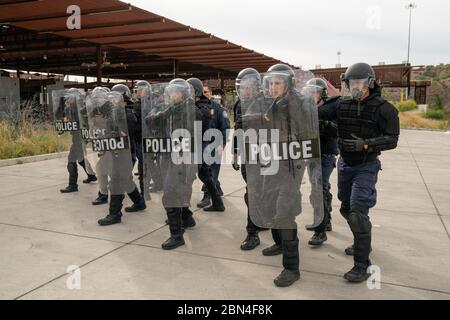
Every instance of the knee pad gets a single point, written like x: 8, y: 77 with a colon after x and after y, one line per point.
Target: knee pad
x: 359, y: 222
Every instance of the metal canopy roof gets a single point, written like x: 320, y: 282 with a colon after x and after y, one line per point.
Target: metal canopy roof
x: 137, y: 43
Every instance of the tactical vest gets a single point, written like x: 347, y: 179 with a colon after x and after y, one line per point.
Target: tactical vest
x: 359, y: 119
x: 205, y: 112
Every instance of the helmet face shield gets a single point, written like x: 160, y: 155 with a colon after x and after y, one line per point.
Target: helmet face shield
x: 315, y: 92
x: 70, y: 100
x: 116, y: 99
x: 275, y: 85
x: 141, y: 91
x: 355, y: 88
x: 123, y: 89
x: 99, y: 96
x: 316, y: 88
x: 248, y: 87
x: 176, y: 93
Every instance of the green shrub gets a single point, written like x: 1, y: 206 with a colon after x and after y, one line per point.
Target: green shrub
x: 407, y: 105
x: 438, y: 101
x: 435, y: 114
x: 26, y: 139
x: 444, y: 75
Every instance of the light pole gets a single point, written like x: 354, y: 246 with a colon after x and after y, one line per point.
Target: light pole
x: 410, y: 7
x: 339, y: 57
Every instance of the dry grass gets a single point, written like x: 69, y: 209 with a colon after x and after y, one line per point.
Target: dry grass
x: 27, y: 139
x: 414, y: 120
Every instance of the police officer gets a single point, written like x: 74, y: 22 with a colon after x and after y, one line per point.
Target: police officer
x: 290, y: 114
x: 119, y: 163
x: 204, y: 170
x: 220, y: 121
x: 99, y: 97
x: 248, y: 87
x: 157, y: 129
x: 132, y: 118
x: 99, y: 93
x: 367, y: 125
x: 329, y: 150
x: 76, y: 153
x: 177, y: 177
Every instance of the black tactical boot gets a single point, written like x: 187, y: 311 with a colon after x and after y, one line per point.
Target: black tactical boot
x: 69, y: 189
x: 173, y: 242
x: 318, y: 239
x: 73, y: 178
x: 138, y: 202
x: 217, y: 205
x: 90, y: 178
x: 274, y: 250
x: 110, y: 219
x: 205, y: 202
x: 115, y: 214
x: 329, y: 227
x: 287, y: 278
x: 102, y: 199
x: 187, y: 218
x: 357, y: 274
x: 176, y: 230
x: 251, y: 242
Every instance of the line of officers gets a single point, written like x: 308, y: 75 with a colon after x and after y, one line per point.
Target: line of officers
x: 358, y: 125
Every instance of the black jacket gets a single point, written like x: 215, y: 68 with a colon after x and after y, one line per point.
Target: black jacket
x: 328, y: 130
x: 374, y: 119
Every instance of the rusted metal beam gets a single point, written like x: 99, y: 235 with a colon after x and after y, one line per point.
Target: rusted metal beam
x: 42, y: 52
x: 127, y: 33
x: 18, y: 19
x: 168, y: 39
x: 169, y: 46
x: 106, y: 25
x: 193, y: 54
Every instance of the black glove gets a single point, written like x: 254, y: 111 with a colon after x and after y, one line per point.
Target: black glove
x: 328, y: 128
x: 354, y: 145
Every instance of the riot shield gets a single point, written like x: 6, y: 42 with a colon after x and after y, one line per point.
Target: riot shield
x: 153, y: 124
x: 83, y: 137
x: 281, y: 141
x: 66, y: 104
x: 168, y: 131
x: 70, y: 116
x: 107, y: 118
x: 65, y: 110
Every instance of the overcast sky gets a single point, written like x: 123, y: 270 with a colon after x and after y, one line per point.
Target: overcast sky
x: 310, y: 33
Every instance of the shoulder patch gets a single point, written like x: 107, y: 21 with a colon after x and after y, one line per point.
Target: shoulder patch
x: 225, y: 114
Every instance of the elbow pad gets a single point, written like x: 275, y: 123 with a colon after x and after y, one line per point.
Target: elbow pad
x: 382, y: 143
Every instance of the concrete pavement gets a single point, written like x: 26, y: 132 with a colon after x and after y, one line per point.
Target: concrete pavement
x: 43, y: 232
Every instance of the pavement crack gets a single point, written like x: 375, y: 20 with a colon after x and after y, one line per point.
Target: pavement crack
x: 87, y: 263
x: 428, y: 189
